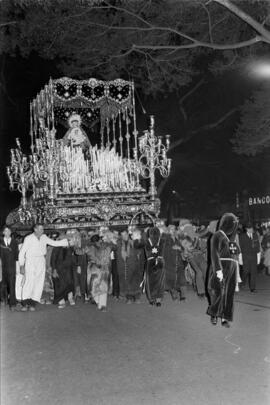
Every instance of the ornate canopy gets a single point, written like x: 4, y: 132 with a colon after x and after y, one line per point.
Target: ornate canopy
x: 93, y: 99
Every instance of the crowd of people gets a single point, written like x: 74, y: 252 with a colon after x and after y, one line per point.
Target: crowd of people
x: 87, y: 266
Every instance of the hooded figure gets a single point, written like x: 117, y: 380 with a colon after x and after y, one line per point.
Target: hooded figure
x: 223, y: 267
x: 155, y: 272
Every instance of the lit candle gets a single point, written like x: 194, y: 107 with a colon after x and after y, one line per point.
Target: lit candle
x: 159, y: 143
x: 167, y: 141
x: 169, y: 164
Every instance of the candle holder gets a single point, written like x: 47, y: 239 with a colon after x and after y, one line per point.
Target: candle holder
x: 20, y: 176
x: 49, y: 164
x: 153, y: 156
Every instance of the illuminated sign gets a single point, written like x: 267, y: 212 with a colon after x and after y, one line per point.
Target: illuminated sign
x: 259, y: 200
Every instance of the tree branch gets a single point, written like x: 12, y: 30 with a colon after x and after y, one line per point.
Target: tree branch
x: 197, y: 44
x: 191, y: 91
x: 194, y: 42
x: 206, y: 127
x: 188, y: 94
x: 246, y: 17
x: 8, y: 23
x: 209, y: 21
x: 264, y: 37
x: 216, y: 123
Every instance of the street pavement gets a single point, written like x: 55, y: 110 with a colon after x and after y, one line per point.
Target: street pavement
x: 138, y: 354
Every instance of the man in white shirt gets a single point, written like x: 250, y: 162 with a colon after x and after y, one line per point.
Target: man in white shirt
x: 33, y: 266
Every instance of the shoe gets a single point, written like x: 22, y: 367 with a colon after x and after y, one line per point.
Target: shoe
x: 225, y: 323
x: 102, y: 309
x: 158, y: 304
x: 42, y: 301
x: 32, y: 309
x: 173, y: 295
x: 182, y: 298
x: 213, y: 320
x: 24, y: 309
x: 61, y: 306
x: 253, y: 291
x: 128, y: 302
x: 138, y: 301
x: 13, y: 308
x: 71, y: 301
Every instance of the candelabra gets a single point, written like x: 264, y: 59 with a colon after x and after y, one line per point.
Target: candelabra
x: 20, y: 177
x: 153, y: 156
x: 48, y: 163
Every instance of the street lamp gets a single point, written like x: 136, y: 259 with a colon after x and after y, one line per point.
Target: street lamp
x: 260, y: 68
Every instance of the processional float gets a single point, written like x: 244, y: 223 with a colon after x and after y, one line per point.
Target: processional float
x: 82, y: 180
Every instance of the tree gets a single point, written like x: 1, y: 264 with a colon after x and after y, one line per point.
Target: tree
x: 159, y: 43
x: 253, y: 131
x: 164, y: 45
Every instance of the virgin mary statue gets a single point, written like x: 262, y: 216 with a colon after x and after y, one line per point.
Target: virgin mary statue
x: 75, y: 135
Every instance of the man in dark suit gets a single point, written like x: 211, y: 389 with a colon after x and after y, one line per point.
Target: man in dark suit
x: 9, y: 256
x: 250, y: 256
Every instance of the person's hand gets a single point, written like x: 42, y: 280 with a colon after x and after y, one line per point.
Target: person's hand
x: 240, y: 259
x: 55, y: 274
x: 220, y: 275
x: 71, y: 242
x: 258, y: 258
x: 22, y: 270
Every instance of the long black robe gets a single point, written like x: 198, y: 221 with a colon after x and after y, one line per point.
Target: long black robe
x: 170, y: 261
x: 63, y: 260
x: 9, y: 256
x: 174, y: 265
x: 221, y: 293
x: 130, y: 271
x: 155, y: 271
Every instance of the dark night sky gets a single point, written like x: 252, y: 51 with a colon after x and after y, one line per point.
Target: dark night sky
x: 206, y: 172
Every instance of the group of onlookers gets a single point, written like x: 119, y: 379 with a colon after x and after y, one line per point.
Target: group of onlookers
x: 88, y: 265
